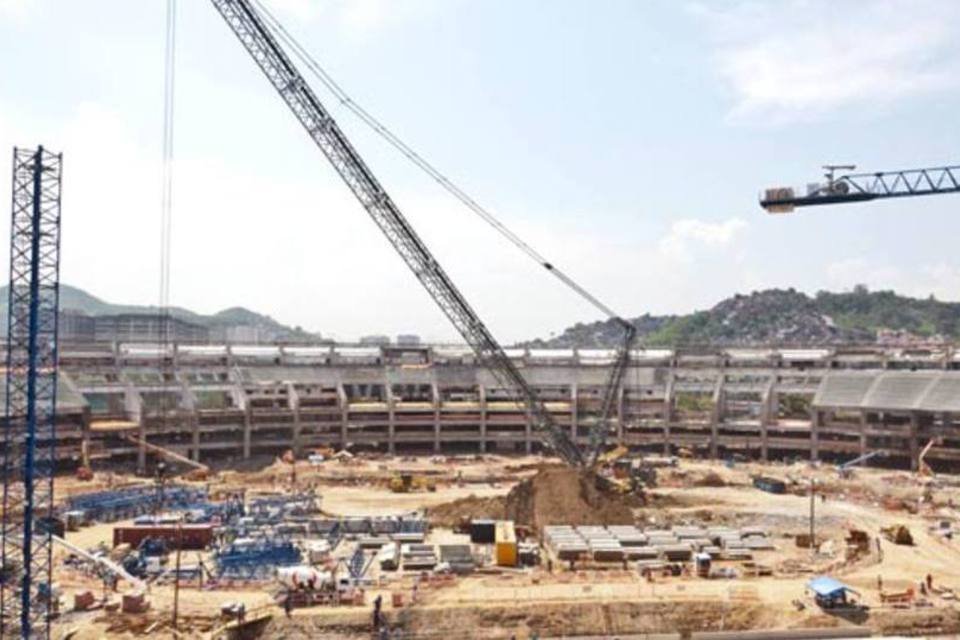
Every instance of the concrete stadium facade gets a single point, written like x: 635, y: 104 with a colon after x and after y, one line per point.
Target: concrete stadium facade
x: 236, y: 402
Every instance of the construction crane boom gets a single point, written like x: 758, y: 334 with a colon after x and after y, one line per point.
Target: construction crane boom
x: 601, y: 429
x: 260, y: 43
x: 862, y: 187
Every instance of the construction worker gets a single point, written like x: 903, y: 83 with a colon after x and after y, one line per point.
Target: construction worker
x: 377, y: 604
x: 929, y: 582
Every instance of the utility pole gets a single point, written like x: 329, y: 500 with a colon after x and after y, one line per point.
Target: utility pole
x: 813, y: 529
x: 176, y: 577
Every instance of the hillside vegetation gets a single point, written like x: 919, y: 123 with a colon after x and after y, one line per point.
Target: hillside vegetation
x: 784, y: 316
x: 78, y: 300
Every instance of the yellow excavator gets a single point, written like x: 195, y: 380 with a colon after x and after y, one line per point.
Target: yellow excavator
x: 612, y: 456
x: 409, y: 483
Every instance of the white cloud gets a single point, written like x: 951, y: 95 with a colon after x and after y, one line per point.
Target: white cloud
x: 298, y: 9
x: 356, y: 19
x: 938, y: 278
x: 364, y: 16
x: 15, y: 7
x: 685, y: 236
x: 801, y: 59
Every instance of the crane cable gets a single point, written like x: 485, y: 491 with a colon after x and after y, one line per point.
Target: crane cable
x: 166, y: 211
x: 166, y: 197
x: 408, y: 152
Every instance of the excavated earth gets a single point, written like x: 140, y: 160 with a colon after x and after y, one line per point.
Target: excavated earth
x: 555, y: 495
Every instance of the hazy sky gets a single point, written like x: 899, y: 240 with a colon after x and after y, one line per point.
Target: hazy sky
x: 627, y: 140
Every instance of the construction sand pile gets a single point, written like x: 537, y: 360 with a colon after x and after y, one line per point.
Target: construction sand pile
x: 555, y: 495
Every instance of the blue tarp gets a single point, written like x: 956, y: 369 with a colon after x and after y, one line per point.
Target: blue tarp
x: 827, y: 587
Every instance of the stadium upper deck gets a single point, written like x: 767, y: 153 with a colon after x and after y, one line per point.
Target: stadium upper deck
x: 244, y: 400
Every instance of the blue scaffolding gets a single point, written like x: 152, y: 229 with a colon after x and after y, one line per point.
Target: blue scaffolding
x: 122, y: 504
x: 29, y: 434
x: 255, y: 559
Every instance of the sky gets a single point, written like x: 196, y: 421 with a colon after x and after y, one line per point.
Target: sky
x: 626, y: 140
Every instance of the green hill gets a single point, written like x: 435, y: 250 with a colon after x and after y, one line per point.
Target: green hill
x: 74, y: 299
x: 783, y: 316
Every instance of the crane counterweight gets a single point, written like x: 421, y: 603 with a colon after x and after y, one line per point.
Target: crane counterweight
x: 862, y: 187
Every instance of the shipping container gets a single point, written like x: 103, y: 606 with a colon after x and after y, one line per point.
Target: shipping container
x: 187, y: 536
x: 483, y: 531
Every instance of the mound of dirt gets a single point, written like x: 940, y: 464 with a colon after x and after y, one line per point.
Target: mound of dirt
x: 710, y: 479
x: 471, y: 508
x: 555, y: 495
x: 562, y: 495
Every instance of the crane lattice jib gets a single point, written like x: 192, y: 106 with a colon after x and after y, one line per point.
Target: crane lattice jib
x: 600, y: 430
x: 250, y: 29
x: 862, y: 187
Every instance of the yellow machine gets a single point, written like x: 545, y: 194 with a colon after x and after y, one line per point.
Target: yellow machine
x: 613, y: 455
x: 506, y: 544
x: 408, y: 483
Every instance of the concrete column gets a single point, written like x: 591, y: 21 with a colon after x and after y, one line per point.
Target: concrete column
x: 912, y: 443
x: 293, y: 400
x: 436, y: 417
x: 247, y: 430
x: 815, y: 421
x: 85, y: 419
x: 768, y: 413
x: 863, y: 433
x: 134, y: 407
x: 188, y: 405
x: 391, y: 423
x: 342, y: 399
x: 574, y: 412
x: 482, y: 393
x: 668, y: 412
x: 528, y: 432
x: 194, y: 419
x: 621, y: 401
x: 716, y: 414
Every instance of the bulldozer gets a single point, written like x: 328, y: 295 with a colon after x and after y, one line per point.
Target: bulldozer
x: 409, y: 483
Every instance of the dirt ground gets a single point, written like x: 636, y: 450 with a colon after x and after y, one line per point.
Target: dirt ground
x: 594, y: 597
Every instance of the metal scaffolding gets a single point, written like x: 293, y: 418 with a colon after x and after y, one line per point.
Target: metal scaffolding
x: 31, y: 390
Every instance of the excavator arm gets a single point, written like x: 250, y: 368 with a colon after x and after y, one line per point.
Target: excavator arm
x: 253, y: 33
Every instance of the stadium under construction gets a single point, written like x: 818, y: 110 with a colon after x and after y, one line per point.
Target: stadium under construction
x: 236, y: 402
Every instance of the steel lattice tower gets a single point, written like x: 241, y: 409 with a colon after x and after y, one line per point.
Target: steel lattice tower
x: 31, y: 390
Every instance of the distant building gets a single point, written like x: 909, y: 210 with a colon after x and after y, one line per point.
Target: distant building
x: 76, y: 326
x: 408, y: 340
x: 147, y: 327
x: 375, y: 341
x: 244, y: 333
